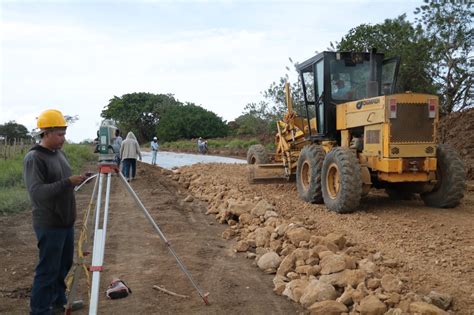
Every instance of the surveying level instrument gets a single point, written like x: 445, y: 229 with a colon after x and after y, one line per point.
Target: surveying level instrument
x: 107, y: 169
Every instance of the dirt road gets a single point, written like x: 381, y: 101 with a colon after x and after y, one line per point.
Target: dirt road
x: 429, y: 249
x: 136, y: 254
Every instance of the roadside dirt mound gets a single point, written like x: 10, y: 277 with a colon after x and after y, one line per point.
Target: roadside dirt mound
x: 457, y: 130
x: 392, y: 256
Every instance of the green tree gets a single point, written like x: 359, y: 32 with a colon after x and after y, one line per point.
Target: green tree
x: 139, y: 112
x: 448, y: 26
x: 396, y: 37
x: 248, y: 124
x: 190, y: 121
x: 12, y: 130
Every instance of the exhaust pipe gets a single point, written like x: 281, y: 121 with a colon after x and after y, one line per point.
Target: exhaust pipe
x: 372, y: 84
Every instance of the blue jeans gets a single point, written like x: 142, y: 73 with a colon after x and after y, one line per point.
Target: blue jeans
x: 56, y: 253
x: 127, y: 165
x: 153, y: 157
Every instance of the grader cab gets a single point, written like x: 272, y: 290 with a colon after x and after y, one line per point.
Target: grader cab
x: 356, y: 133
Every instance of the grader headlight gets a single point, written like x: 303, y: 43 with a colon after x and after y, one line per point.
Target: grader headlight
x: 432, y: 108
x: 393, y: 108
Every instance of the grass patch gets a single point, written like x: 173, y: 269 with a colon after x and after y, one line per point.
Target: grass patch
x: 13, y: 200
x: 11, y: 171
x: 78, y: 155
x: 13, y: 195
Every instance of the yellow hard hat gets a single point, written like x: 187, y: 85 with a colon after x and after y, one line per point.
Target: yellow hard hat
x: 51, y: 118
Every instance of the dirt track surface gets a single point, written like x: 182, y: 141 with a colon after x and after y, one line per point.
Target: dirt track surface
x: 429, y: 249
x: 135, y: 253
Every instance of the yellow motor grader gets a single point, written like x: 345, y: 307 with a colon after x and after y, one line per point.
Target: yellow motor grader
x: 356, y: 133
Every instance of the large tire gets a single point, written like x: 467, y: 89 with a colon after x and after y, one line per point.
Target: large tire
x: 341, y: 180
x: 449, y: 189
x: 257, y: 154
x: 308, y: 173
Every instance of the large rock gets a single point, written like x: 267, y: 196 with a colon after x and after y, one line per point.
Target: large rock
x: 279, y: 283
x: 241, y: 246
x: 269, y: 260
x: 262, y: 237
x: 371, y: 305
x: 281, y: 229
x: 344, y: 278
x: 245, y: 218
x: 317, y: 291
x: 327, y: 308
x: 260, y: 208
x: 270, y: 214
x: 441, y: 300
x: 426, y: 309
x: 287, y: 265
x: 391, y: 283
x: 239, y: 207
x: 335, y: 238
x: 332, y: 264
x: 346, y: 297
x: 301, y: 254
x: 297, y: 235
x: 295, y: 288
x: 367, y: 266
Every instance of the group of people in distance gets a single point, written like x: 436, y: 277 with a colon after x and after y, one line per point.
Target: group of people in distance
x: 127, y: 151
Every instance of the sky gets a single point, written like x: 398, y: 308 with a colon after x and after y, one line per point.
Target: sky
x: 75, y: 56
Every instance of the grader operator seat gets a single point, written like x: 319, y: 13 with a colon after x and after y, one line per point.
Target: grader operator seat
x: 332, y: 78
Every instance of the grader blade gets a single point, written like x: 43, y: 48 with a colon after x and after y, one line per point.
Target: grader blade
x: 267, y: 173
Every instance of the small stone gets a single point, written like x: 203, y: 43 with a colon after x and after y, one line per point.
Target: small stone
x: 228, y: 233
x: 391, y: 283
x: 189, y: 198
x: 241, y: 246
x: 373, y: 284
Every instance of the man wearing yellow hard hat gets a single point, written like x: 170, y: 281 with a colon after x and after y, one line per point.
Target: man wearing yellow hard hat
x: 50, y: 184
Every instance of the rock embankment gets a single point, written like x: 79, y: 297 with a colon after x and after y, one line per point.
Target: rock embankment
x: 327, y: 274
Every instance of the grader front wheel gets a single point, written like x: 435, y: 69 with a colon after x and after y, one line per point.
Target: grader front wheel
x: 257, y: 154
x: 341, y: 180
x: 308, y: 173
x: 451, y: 178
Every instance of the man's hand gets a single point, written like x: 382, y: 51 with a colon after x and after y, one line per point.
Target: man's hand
x: 77, y: 179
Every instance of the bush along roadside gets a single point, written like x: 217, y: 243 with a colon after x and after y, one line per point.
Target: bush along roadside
x: 225, y: 146
x: 13, y: 195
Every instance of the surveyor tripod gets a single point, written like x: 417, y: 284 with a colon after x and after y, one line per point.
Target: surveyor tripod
x: 106, y: 170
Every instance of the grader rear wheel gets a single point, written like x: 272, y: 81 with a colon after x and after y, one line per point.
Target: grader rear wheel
x: 308, y: 173
x: 257, y: 154
x: 451, y: 177
x: 341, y: 181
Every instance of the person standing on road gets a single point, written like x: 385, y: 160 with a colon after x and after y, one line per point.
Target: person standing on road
x: 129, y: 152
x: 154, y: 150
x: 50, y: 184
x: 116, y: 146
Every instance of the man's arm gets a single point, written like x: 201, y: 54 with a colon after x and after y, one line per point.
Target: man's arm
x: 35, y: 181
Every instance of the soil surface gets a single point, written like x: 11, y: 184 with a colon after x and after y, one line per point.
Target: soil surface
x: 429, y: 249
x: 135, y: 253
